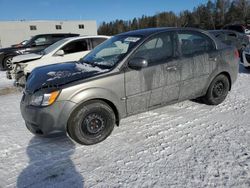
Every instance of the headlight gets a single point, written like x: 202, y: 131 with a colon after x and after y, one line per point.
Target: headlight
x: 45, y: 99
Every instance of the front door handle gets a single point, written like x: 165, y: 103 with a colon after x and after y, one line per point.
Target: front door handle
x: 171, y: 68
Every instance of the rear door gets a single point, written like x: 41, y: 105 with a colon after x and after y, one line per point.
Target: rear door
x: 197, y: 59
x: 144, y: 88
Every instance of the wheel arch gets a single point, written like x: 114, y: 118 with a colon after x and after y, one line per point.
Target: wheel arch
x: 103, y: 100
x: 228, y: 76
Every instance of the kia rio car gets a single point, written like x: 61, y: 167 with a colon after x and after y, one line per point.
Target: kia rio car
x: 128, y: 74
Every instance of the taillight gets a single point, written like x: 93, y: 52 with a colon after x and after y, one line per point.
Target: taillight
x: 236, y: 53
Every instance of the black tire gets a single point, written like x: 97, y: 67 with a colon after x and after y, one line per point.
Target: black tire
x: 248, y: 68
x: 217, y: 91
x: 91, y: 123
x: 7, y: 65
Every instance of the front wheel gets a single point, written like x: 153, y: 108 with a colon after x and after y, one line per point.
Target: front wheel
x: 91, y: 123
x: 217, y: 91
x: 7, y: 63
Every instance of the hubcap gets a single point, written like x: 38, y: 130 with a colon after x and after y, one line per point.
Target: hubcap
x: 93, y: 124
x: 8, y: 63
x: 219, y: 89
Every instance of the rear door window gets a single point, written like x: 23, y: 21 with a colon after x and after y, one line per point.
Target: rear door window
x: 192, y: 43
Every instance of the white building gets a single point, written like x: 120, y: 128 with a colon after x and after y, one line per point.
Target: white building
x: 14, y: 32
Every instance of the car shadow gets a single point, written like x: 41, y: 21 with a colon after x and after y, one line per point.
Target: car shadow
x: 50, y: 164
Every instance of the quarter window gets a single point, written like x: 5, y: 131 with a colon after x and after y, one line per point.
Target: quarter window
x: 194, y: 43
x: 156, y: 50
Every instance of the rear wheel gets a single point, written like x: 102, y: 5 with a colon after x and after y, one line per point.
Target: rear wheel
x: 7, y: 64
x: 217, y: 91
x: 91, y: 123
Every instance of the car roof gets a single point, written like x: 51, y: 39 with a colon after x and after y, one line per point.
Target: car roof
x: 48, y: 34
x: 86, y: 37
x: 151, y: 31
x: 222, y: 30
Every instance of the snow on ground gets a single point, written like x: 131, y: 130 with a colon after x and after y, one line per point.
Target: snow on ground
x: 5, y: 83
x: 182, y: 145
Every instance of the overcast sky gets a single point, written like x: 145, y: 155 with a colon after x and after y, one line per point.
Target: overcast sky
x: 99, y: 10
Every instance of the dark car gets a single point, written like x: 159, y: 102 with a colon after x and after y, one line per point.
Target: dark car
x: 239, y: 40
x: 34, y: 45
x: 238, y: 28
x: 130, y: 73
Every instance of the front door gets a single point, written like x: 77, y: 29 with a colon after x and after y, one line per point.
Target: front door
x: 146, y: 88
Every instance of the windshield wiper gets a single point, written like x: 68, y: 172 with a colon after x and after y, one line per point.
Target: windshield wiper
x: 102, y: 66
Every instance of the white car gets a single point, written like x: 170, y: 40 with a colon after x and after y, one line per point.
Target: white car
x: 65, y: 50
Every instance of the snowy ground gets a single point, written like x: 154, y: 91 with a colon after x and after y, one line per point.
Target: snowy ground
x: 182, y: 145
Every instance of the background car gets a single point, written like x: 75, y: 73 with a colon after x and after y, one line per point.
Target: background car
x: 239, y: 28
x: 35, y: 44
x: 239, y: 40
x: 65, y: 50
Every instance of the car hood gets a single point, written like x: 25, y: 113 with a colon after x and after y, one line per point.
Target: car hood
x: 56, y: 75
x: 7, y: 49
x: 26, y: 57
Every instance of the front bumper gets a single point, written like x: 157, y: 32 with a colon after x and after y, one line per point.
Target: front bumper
x: 46, y: 120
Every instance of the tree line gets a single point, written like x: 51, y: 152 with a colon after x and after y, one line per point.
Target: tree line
x: 211, y: 15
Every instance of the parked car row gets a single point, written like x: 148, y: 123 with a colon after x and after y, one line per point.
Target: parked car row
x: 65, y: 50
x: 34, y: 45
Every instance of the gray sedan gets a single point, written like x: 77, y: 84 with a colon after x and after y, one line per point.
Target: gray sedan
x: 130, y: 73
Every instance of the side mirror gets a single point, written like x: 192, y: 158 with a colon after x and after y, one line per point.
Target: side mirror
x: 138, y: 63
x: 60, y: 53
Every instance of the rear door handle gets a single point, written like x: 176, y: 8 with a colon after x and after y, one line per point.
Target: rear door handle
x: 212, y: 58
x: 172, y: 68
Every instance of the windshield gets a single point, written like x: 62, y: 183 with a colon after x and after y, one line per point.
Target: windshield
x: 112, y: 51
x: 52, y: 47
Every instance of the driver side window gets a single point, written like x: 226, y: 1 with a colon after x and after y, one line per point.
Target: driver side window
x: 76, y: 46
x: 41, y: 41
x: 158, y: 49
